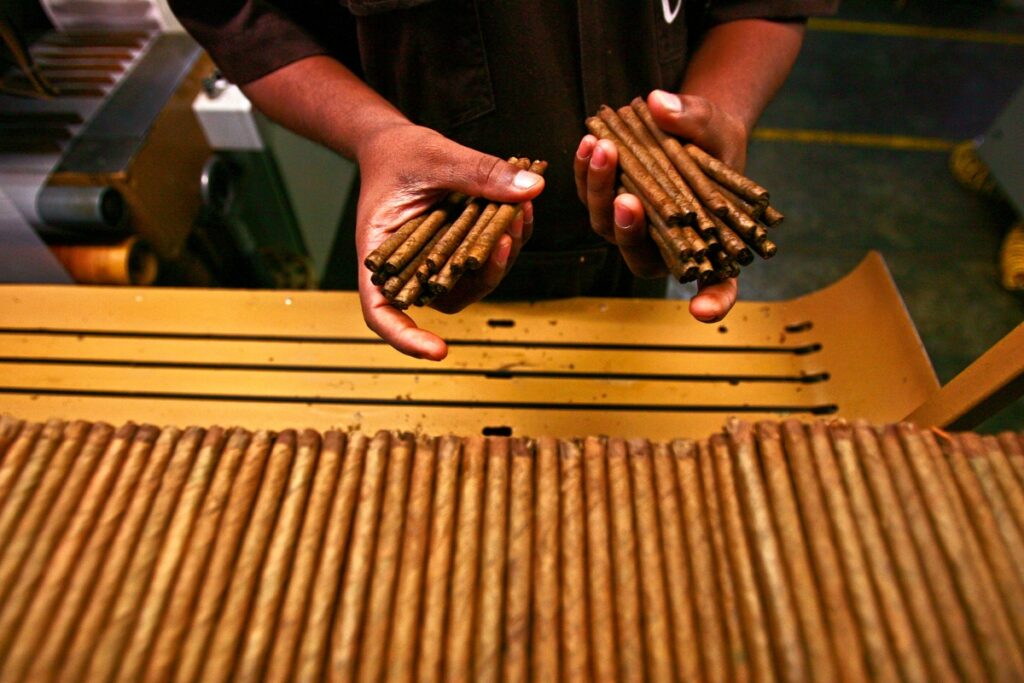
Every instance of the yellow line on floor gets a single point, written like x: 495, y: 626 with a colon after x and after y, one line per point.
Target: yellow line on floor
x: 830, y: 137
x: 909, y: 31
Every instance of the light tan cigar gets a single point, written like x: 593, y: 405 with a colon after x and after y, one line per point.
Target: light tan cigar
x: 172, y: 554
x: 906, y: 645
x: 599, y: 562
x: 409, y: 272
x: 439, y: 557
x: 124, y: 610
x: 897, y: 531
x: 706, y: 593
x: 1003, y: 470
x: 656, y: 621
x: 487, y: 646
x: 350, y: 609
x: 375, y: 261
x: 443, y: 250
x: 416, y: 535
x: 843, y: 629
x: 973, y: 578
x: 520, y: 545
x: 420, y: 237
x: 677, y: 566
x: 182, y: 600
x: 575, y: 634
x: 986, y: 528
x: 545, y: 640
x: 1008, y: 529
x: 487, y: 240
x: 56, y: 621
x: 795, y: 553
x: 627, y: 587
x: 768, y: 557
x: 730, y: 178
x: 374, y: 637
x: 215, y: 584
x: 258, y: 631
x: 456, y: 265
x: 9, y: 430
x: 19, y: 453
x: 965, y: 553
x: 27, y: 613
x: 954, y: 621
x: 736, y: 664
x: 89, y: 624
x: 1014, y: 451
x: 315, y: 520
x: 762, y: 667
x: 16, y: 488
x: 327, y: 581
x: 16, y: 591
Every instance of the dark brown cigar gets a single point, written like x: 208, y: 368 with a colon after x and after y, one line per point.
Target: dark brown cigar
x: 732, y: 244
x: 731, y: 179
x: 672, y: 236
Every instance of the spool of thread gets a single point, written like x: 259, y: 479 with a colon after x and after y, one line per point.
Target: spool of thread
x: 130, y: 262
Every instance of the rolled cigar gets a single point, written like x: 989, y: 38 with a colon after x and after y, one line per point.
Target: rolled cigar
x: 58, y: 628
x: 106, y: 657
x: 410, y: 290
x: 755, y: 623
x: 545, y: 640
x: 682, y: 271
x: 487, y: 645
x: 644, y: 154
x: 693, y: 175
x: 401, y: 661
x: 684, y: 195
x: 961, y: 638
x: 9, y: 430
x: 575, y: 617
x: 651, y: 190
x: 1003, y: 469
x: 736, y: 665
x: 671, y: 236
x: 755, y: 210
x: 731, y: 243
x: 373, y: 653
x: 26, y: 615
x: 18, y: 455
x: 32, y: 456
x: 1014, y: 451
x: 764, y: 248
x: 439, y: 558
x: 485, y: 243
x: 351, y: 607
x: 89, y: 624
x: 415, y: 243
x: 772, y: 216
x: 795, y: 553
x: 456, y: 265
x: 277, y: 564
x: 466, y: 561
x: 846, y: 641
x: 518, y: 578
x: 713, y: 245
x: 731, y: 179
x: 599, y: 562
x: 656, y: 623
x: 627, y: 585
x: 182, y: 600
x: 906, y: 644
x: 379, y: 278
x: 745, y: 225
x: 202, y: 619
x: 991, y: 476
x: 375, y: 261
x: 328, y: 579
x: 394, y: 284
x: 706, y: 273
x: 725, y: 265
x: 172, y: 554
x: 443, y: 250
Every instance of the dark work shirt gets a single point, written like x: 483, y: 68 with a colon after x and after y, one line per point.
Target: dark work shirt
x: 506, y: 77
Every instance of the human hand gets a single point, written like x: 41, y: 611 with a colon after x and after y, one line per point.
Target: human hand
x: 621, y: 220
x: 404, y: 170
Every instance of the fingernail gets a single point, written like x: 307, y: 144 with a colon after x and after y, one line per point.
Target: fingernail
x: 584, y: 151
x: 623, y: 217
x: 524, y: 180
x: 671, y: 102
x: 599, y: 159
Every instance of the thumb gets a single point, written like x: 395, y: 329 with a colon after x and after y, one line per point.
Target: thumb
x: 483, y: 175
x: 693, y: 118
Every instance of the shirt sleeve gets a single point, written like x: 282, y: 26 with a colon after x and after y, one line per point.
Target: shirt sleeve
x: 248, y: 39
x: 720, y: 11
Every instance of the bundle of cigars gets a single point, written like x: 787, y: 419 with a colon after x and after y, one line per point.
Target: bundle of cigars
x: 706, y: 219
x: 426, y: 256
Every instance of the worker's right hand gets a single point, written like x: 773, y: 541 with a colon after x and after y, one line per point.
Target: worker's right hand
x: 404, y: 170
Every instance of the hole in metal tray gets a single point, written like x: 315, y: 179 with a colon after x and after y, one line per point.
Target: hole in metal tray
x: 497, y: 431
x: 501, y: 322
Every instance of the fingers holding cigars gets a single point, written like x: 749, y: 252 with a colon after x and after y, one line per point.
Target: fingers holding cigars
x: 595, y: 170
x: 630, y: 235
x: 698, y: 120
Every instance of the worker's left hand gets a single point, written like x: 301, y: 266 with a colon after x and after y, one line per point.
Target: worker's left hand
x: 621, y: 220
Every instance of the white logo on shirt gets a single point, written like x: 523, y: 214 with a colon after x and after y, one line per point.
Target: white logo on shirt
x: 669, y: 12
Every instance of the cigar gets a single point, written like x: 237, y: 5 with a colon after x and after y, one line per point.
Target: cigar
x: 732, y: 180
x: 671, y: 236
x: 518, y: 577
x: 375, y: 261
x: 624, y: 552
x: 684, y: 201
x: 544, y: 664
x: 725, y: 265
x: 683, y: 270
x: 693, y: 175
x: 765, y: 248
x: 455, y: 235
x: 415, y: 243
x: 487, y: 648
x: 648, y: 187
x: 482, y: 247
x: 599, y: 562
x: 575, y: 617
x: 731, y: 243
x: 395, y: 283
x: 772, y: 216
x: 456, y: 265
x: 684, y: 195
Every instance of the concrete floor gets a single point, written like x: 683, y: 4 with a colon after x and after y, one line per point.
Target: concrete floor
x: 841, y: 200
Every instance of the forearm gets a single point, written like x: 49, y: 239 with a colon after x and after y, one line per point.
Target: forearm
x: 740, y: 65
x: 319, y: 98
